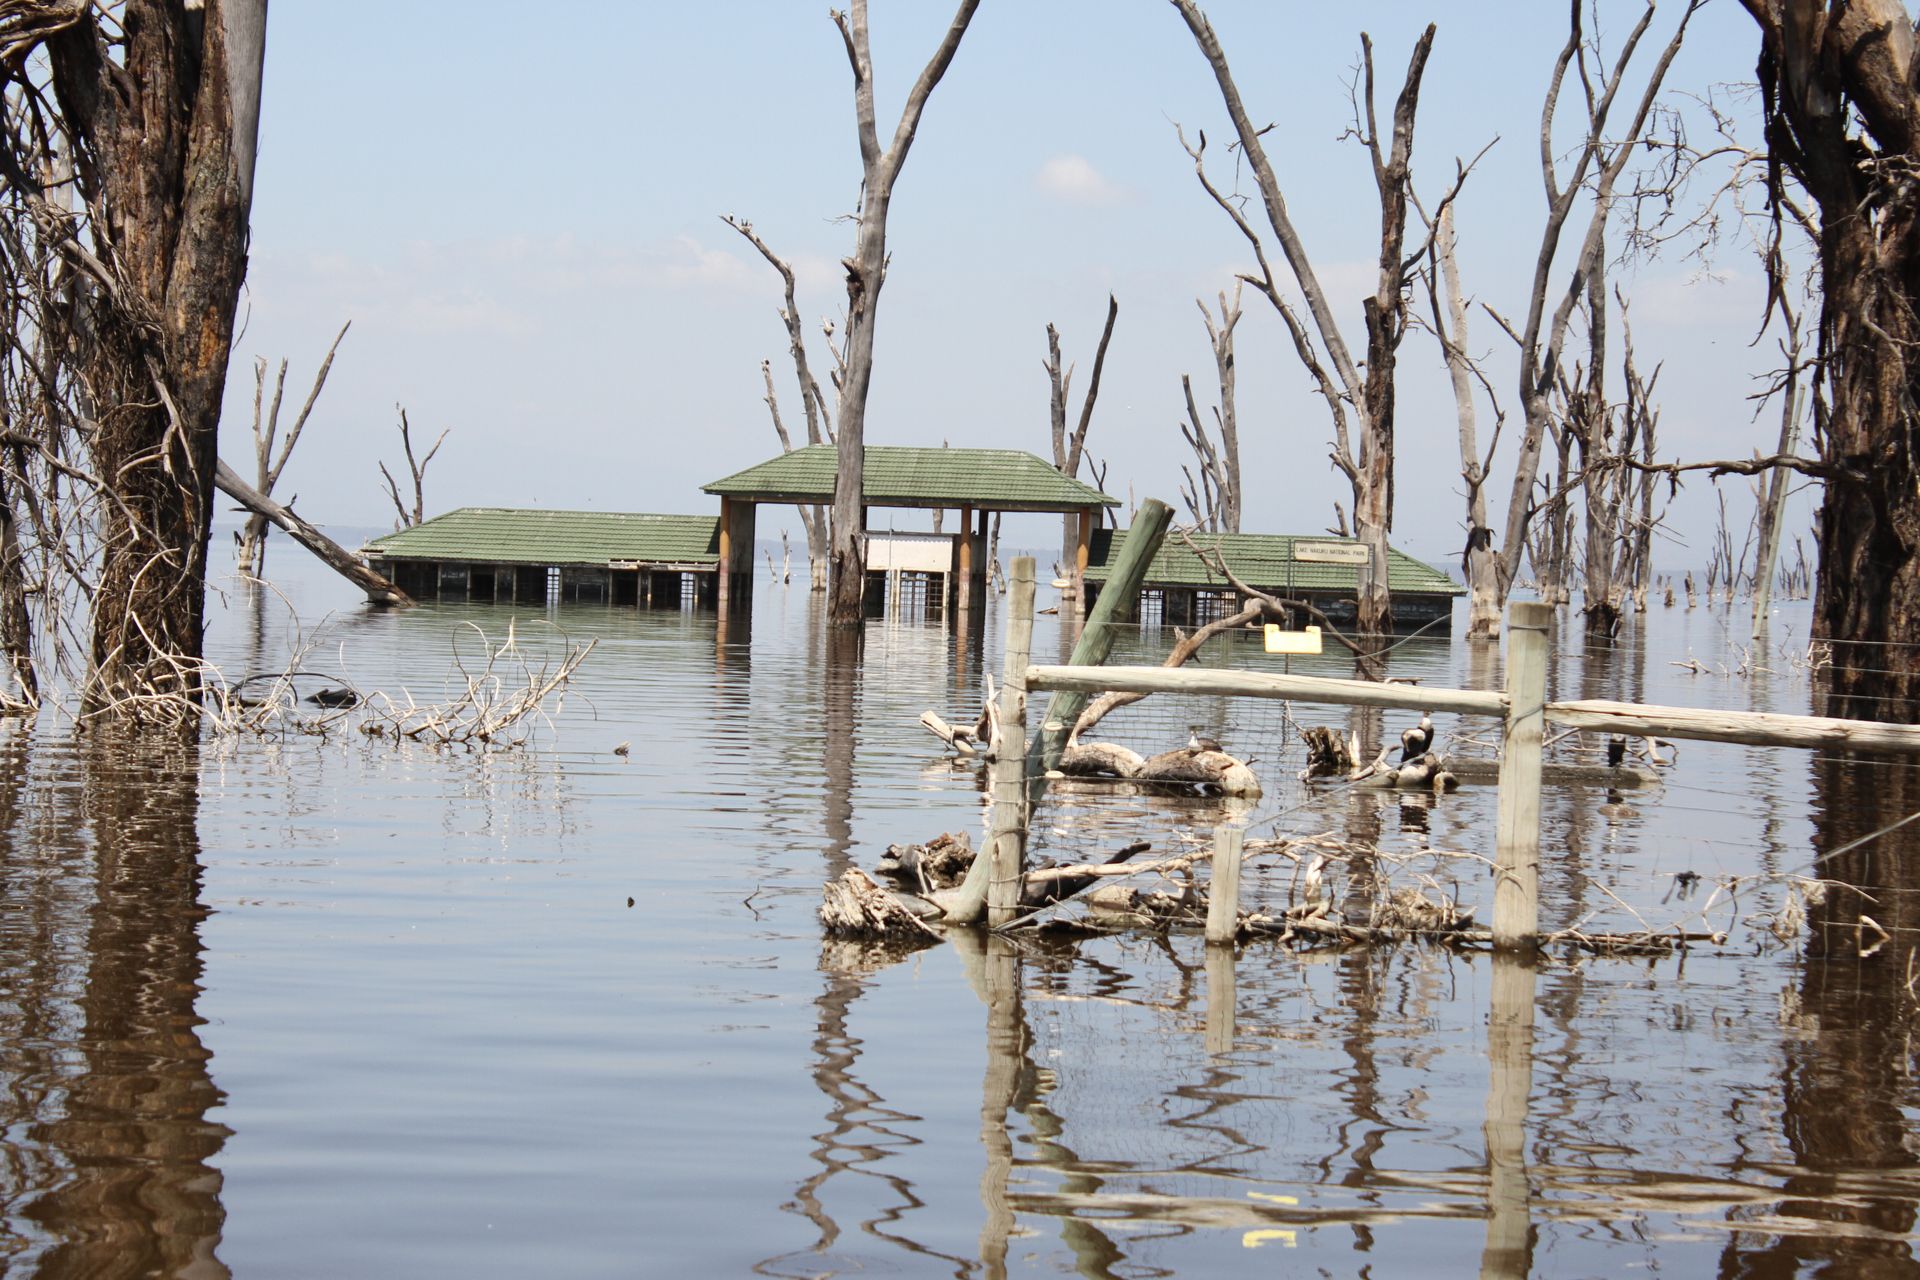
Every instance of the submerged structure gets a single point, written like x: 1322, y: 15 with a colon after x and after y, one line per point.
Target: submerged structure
x: 528, y: 556
x: 950, y: 569
x: 523, y: 556
x: 1183, y: 588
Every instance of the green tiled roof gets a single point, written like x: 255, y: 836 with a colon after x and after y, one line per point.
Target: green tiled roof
x: 1262, y: 560
x: 998, y: 479
x: 508, y: 535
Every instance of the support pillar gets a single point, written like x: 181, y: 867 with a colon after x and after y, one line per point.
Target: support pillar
x: 963, y: 597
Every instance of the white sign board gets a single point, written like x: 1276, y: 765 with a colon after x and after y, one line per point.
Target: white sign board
x: 1279, y: 641
x: 1329, y: 553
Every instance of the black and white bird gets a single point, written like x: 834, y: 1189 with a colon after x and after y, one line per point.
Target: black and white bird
x: 1616, y: 751
x: 1418, y: 740
x: 1196, y: 742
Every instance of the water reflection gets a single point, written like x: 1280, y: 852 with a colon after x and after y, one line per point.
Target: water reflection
x: 107, y: 1078
x: 1847, y: 1080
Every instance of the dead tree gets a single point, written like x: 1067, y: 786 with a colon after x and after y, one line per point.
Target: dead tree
x: 131, y: 131
x: 866, y: 274
x: 269, y: 462
x: 1593, y: 175
x: 1841, y: 90
x: 1068, y: 449
x: 1368, y: 395
x: 813, y: 517
x: 1478, y: 564
x: 417, y: 472
x: 1213, y: 495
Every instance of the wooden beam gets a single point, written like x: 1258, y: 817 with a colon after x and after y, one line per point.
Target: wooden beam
x: 1516, y: 852
x: 1263, y: 684
x: 1753, y: 728
x: 1008, y: 770
x: 1223, y: 889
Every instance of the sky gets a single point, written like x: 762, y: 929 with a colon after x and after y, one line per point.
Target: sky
x: 519, y: 212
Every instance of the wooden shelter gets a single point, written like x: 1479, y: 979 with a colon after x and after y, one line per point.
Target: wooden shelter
x: 1181, y: 588
x: 524, y: 556
x: 967, y: 481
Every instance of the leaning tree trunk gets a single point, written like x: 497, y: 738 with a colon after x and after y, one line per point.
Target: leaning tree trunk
x: 1843, y: 107
x: 164, y: 125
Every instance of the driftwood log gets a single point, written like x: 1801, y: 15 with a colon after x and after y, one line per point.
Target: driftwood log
x: 1209, y: 772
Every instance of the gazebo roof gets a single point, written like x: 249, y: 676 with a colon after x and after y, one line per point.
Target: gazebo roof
x: 1263, y: 560
x: 896, y: 476
x: 513, y: 535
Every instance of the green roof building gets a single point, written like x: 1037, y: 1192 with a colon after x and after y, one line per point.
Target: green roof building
x: 1183, y: 587
x: 537, y: 557
x: 967, y: 481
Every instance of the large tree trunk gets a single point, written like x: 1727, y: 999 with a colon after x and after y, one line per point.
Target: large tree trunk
x: 164, y: 131
x: 1844, y: 118
x: 866, y: 273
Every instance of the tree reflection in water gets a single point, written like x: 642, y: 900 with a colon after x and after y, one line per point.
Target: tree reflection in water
x: 1847, y: 1082
x: 107, y: 1078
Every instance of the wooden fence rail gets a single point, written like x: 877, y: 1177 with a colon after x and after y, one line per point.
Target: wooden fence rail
x: 1523, y: 711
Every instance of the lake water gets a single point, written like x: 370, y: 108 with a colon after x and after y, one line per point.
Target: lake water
x: 325, y: 1006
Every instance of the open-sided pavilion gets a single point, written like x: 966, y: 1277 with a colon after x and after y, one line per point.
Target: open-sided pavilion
x: 975, y: 483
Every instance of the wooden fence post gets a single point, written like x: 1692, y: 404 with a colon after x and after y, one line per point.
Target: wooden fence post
x: 1516, y: 855
x: 1223, y: 890
x: 1006, y: 851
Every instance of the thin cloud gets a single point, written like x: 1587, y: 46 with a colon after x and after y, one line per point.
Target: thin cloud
x: 1074, y: 180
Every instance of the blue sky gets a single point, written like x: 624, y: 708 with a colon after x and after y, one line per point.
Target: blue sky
x: 519, y: 212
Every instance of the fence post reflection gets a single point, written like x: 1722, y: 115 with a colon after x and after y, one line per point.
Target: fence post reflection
x: 1509, y: 1247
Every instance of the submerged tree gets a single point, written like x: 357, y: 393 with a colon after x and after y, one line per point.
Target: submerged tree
x: 1363, y: 393
x: 1592, y: 176
x: 128, y: 156
x: 1213, y: 493
x: 1841, y: 89
x: 866, y: 273
x: 271, y: 450
x: 409, y: 516
x: 813, y: 517
x: 1069, y: 448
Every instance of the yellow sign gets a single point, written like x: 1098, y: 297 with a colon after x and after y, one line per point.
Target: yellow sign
x: 1279, y: 641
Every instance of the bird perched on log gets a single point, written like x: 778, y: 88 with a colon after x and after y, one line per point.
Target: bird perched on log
x: 1417, y: 741
x: 1196, y: 743
x: 1616, y: 751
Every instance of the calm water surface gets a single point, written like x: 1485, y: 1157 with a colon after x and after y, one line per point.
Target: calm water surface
x: 333, y: 1006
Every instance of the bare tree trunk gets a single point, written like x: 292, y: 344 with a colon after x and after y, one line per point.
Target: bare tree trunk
x: 1215, y: 497
x: 331, y: 553
x: 269, y: 464
x: 416, y: 471
x: 160, y: 115
x: 813, y: 517
x: 1370, y: 397
x: 1597, y: 164
x: 1478, y: 563
x: 1841, y: 87
x: 866, y: 274
x: 1068, y: 449
x: 1592, y: 429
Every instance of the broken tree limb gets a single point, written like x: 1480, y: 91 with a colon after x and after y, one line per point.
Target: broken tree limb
x: 336, y: 557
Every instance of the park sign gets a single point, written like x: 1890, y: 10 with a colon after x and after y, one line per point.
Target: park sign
x: 1329, y: 553
x: 1292, y: 642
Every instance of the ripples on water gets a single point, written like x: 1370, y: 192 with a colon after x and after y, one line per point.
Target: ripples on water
x: 327, y: 1007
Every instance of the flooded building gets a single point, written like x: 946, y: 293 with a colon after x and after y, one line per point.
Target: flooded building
x: 1183, y: 588
x: 523, y: 556
x: 948, y: 569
